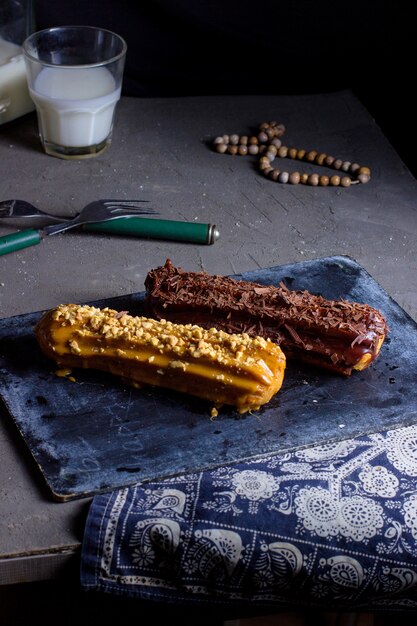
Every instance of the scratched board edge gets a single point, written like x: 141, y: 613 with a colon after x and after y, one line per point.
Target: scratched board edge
x: 33, y: 458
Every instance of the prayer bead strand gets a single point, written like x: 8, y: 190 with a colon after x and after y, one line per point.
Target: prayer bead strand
x: 267, y: 145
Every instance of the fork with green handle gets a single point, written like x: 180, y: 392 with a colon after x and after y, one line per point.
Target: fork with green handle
x: 117, y: 217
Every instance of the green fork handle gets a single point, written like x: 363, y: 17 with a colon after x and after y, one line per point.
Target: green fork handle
x: 192, y: 232
x: 18, y: 241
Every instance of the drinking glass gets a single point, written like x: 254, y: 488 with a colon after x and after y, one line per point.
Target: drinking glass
x: 75, y: 77
x: 16, y: 22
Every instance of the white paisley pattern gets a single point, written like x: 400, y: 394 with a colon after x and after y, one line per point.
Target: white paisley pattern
x: 333, y: 526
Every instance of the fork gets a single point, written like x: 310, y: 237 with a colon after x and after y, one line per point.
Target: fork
x: 97, y: 211
x: 21, y: 208
x: 173, y: 230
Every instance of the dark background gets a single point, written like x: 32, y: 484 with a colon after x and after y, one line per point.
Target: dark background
x: 196, y: 47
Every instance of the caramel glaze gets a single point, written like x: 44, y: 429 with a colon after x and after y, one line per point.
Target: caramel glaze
x: 334, y: 334
x: 221, y: 367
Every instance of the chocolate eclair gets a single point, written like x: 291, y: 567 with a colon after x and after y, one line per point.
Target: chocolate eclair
x: 337, y: 335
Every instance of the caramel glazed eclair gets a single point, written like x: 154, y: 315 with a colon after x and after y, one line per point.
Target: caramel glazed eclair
x: 337, y: 335
x: 224, y: 368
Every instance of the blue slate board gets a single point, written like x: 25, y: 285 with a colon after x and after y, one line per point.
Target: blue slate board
x: 98, y: 434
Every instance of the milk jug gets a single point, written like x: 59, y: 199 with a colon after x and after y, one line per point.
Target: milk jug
x: 16, y: 23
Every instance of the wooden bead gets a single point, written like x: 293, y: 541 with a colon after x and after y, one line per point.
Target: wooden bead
x: 218, y: 140
x: 335, y: 180
x: 221, y: 148
x: 301, y: 154
x: 234, y: 139
x: 346, y: 166
x: 270, y: 155
x: 282, y: 152
x: 273, y: 175
x: 310, y: 156
x: 242, y: 150
x: 324, y: 181
x: 263, y: 125
x: 364, y: 178
x: 263, y: 137
x: 354, y: 168
x: 232, y: 149
x: 329, y: 160
x: 272, y: 150
x: 253, y: 140
x: 313, y: 180
x: 253, y: 149
x: 283, y: 177
x: 320, y: 158
x: 276, y: 142
x: 226, y: 138
x: 264, y: 163
x: 337, y: 164
x: 364, y: 170
x: 280, y: 130
x: 345, y: 181
x: 294, y: 178
x: 292, y: 153
x: 244, y: 140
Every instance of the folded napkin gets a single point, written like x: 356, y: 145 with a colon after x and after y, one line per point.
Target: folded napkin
x: 331, y: 526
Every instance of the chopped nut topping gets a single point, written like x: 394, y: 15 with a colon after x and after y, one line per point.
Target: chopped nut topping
x: 221, y: 367
x: 74, y: 347
x: 184, y: 340
x: 178, y: 365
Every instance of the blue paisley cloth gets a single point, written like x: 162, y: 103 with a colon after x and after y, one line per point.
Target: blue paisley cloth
x: 332, y: 526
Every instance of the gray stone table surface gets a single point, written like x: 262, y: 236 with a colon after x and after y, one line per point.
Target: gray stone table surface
x: 160, y: 152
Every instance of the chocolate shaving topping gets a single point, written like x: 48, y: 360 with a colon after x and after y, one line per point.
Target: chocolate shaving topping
x: 294, y: 334
x: 332, y: 333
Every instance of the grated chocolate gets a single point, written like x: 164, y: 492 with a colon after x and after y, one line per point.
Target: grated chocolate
x: 336, y: 334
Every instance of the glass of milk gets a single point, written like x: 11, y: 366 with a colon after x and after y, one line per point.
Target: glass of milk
x: 75, y: 76
x: 15, y: 25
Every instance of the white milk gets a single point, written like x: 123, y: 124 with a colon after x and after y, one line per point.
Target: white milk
x: 14, y: 95
x: 75, y: 105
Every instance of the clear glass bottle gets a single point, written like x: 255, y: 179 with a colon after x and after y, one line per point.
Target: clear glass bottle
x: 16, y: 23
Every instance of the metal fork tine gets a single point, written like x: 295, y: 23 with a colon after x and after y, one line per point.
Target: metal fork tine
x: 119, y: 211
x: 112, y: 207
x: 128, y: 205
x: 126, y: 202
x: 5, y: 208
